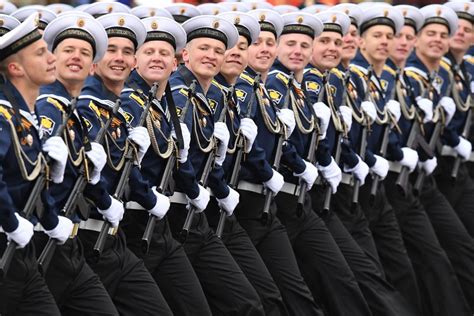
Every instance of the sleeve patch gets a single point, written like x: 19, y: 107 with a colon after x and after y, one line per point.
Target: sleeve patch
x: 212, y: 104
x: 241, y: 95
x: 137, y: 99
x: 312, y: 86
x: 275, y: 95
x: 88, y: 123
x: 46, y: 124
x: 128, y: 117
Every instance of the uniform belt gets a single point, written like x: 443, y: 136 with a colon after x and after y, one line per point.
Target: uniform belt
x: 448, y: 151
x: 249, y: 186
x: 95, y: 225
x: 178, y: 198
x: 346, y: 178
x: 290, y: 188
x: 131, y: 205
x: 395, y: 166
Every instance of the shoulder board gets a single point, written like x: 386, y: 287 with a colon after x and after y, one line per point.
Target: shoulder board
x: 55, y: 103
x: 357, y: 71
x: 416, y: 71
x: 137, y: 99
x: 338, y: 73
x: 280, y: 76
x: 414, y: 75
x: 247, y: 78
x: 94, y: 108
x: 5, y: 113
x: 184, y: 92
x: 217, y: 84
x: 445, y: 65
x: 316, y: 72
x: 470, y: 59
x: 390, y: 70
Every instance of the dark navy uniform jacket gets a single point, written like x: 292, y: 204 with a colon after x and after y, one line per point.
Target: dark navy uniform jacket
x: 95, y: 106
x: 134, y: 97
x: 52, y: 105
x: 14, y: 189
x: 199, y: 118
x: 380, y: 93
x: 419, y: 77
x: 313, y: 85
x: 278, y: 87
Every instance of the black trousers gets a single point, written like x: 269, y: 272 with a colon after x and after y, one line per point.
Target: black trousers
x: 388, y: 239
x: 322, y: 263
x: 440, y: 291
x: 272, y: 242
x: 240, y: 246
x: 452, y: 235
x: 22, y: 290
x: 226, y: 287
x: 75, y: 287
x: 167, y: 263
x: 130, y: 285
x: 460, y: 193
x: 381, y: 296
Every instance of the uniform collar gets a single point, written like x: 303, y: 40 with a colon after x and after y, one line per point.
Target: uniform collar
x: 20, y: 102
x: 222, y: 81
x: 135, y: 80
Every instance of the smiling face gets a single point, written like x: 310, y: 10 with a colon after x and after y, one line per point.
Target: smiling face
x: 263, y: 52
x: 34, y: 63
x: 327, y: 50
x: 462, y: 40
x: 433, y: 42
x: 376, y: 43
x: 236, y: 59
x: 350, y: 43
x: 204, y: 57
x: 294, y: 51
x: 404, y: 43
x: 155, y: 61
x: 74, y: 60
x: 118, y: 61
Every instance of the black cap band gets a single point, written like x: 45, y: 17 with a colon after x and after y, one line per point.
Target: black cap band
x: 208, y: 33
x: 74, y: 33
x: 161, y: 36
x: 354, y: 21
x: 4, y: 30
x: 122, y: 32
x: 180, y: 18
x: 378, y: 21
x: 42, y: 25
x: 466, y: 16
x: 332, y: 27
x: 437, y: 20
x: 21, y: 43
x: 298, y: 28
x: 410, y: 22
x: 244, y: 32
x: 268, y: 27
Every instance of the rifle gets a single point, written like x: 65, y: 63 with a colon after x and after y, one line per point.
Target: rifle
x: 122, y: 183
x: 311, y: 157
x: 165, y: 179
x: 383, y: 147
x: 363, y: 141
x: 239, y: 154
x: 340, y: 134
x: 279, y: 150
x: 71, y: 203
x: 203, y: 181
x: 34, y: 199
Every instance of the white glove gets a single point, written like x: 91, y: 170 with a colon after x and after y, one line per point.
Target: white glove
x: 332, y: 174
x: 380, y: 167
x: 426, y: 105
x: 249, y: 129
x: 114, y: 213
x: 287, y: 117
x: 360, y: 171
x: 139, y: 135
x: 62, y: 231
x: 429, y: 165
x: 57, y: 151
x: 221, y: 133
x: 369, y: 109
x: 162, y: 204
x: 98, y: 157
x: 346, y: 114
x: 23, y: 233
x: 324, y: 115
x: 183, y: 153
x: 464, y: 148
x: 275, y: 183
x: 201, y: 201
x: 449, y: 107
x: 394, y: 108
x: 309, y: 175
x: 229, y: 203
x: 410, y: 158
